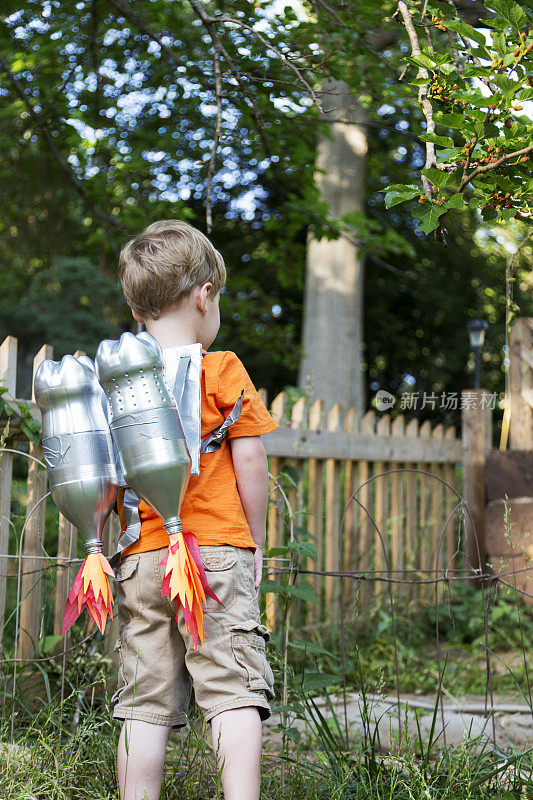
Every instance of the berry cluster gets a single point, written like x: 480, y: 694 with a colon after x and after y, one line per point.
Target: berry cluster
x: 438, y: 22
x: 499, y: 200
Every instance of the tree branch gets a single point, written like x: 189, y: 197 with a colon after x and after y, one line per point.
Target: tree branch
x: 269, y: 46
x: 212, y: 160
x: 205, y: 19
x: 495, y: 165
x: 423, y: 99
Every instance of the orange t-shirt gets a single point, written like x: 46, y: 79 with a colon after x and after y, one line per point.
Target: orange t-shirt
x: 211, y: 507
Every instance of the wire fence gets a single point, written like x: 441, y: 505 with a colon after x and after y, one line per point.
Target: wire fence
x: 288, y: 610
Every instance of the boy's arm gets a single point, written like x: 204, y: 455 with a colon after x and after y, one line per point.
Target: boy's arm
x: 251, y: 471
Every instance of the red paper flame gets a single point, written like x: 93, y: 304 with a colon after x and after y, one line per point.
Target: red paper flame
x: 186, y: 582
x: 90, y: 590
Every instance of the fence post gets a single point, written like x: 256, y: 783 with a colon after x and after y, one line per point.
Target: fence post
x: 423, y: 534
x: 521, y: 384
x: 411, y: 515
x: 333, y: 517
x: 275, y: 516
x: 476, y: 417
x: 66, y: 550
x: 30, y: 606
x: 437, y: 505
x: 450, y: 501
x: 315, y: 502
x: 381, y: 516
x: 367, y: 531
x: 396, y: 507
x: 8, y: 377
x: 295, y: 493
x: 350, y: 532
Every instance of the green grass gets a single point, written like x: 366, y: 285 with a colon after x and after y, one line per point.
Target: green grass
x: 54, y: 760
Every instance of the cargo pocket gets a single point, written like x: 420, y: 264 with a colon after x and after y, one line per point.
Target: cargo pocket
x: 220, y: 568
x: 121, y: 679
x: 248, y: 643
x: 129, y: 598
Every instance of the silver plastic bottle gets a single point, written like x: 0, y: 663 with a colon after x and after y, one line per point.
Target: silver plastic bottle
x: 77, y: 446
x: 145, y: 424
x: 89, y: 364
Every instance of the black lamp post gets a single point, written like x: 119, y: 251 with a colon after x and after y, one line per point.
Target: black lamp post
x: 476, y: 331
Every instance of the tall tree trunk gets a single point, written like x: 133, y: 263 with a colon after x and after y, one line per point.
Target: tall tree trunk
x: 333, y: 307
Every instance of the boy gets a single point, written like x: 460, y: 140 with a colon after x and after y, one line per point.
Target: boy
x: 172, y: 276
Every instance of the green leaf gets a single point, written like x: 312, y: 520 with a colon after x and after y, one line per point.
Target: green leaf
x: 465, y: 30
x: 474, y: 71
x: 499, y: 41
x: 292, y: 474
x: 444, y: 141
x: 455, y: 201
x: 429, y: 216
x: 504, y: 83
x: 303, y: 590
x: 312, y: 681
x: 437, y: 176
x: 419, y: 82
x: 47, y: 644
x: 306, y: 548
x: 421, y: 60
x: 447, y: 154
x: 311, y: 647
x: 294, y: 734
x: 509, y: 11
x: 498, y: 25
x: 450, y: 120
x: 526, y: 94
x: 399, y: 193
x: 278, y: 551
x: 507, y: 213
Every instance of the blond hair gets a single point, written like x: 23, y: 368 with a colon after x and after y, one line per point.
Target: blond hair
x: 164, y: 263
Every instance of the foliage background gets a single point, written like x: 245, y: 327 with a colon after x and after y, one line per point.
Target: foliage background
x: 108, y: 119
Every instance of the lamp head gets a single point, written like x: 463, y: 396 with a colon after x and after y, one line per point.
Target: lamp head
x: 476, y: 331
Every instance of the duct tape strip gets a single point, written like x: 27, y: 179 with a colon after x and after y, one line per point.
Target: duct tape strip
x: 214, y: 440
x: 156, y: 423
x: 133, y: 525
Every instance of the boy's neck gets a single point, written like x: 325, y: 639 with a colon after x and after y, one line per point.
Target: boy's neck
x: 172, y: 330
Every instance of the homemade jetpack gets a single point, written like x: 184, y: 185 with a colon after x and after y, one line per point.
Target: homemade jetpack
x: 153, y: 444
x: 81, y: 466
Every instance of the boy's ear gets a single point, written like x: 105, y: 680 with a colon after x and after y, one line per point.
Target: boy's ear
x: 202, y: 295
x: 137, y: 316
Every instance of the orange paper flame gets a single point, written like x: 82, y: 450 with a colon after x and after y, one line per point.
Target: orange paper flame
x: 90, y: 590
x: 185, y: 581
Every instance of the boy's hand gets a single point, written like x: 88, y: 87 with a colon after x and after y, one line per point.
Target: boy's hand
x: 258, y: 565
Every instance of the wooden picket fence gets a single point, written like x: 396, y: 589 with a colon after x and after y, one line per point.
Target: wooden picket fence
x: 356, y: 489
x: 402, y: 526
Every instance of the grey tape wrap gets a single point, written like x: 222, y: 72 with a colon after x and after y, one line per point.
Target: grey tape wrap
x: 214, y: 440
x: 158, y: 423
x: 69, y: 452
x: 133, y: 525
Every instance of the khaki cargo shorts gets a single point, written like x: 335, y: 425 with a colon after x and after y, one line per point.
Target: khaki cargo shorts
x: 158, y: 665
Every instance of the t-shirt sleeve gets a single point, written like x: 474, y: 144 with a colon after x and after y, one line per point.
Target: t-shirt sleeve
x: 232, y: 378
